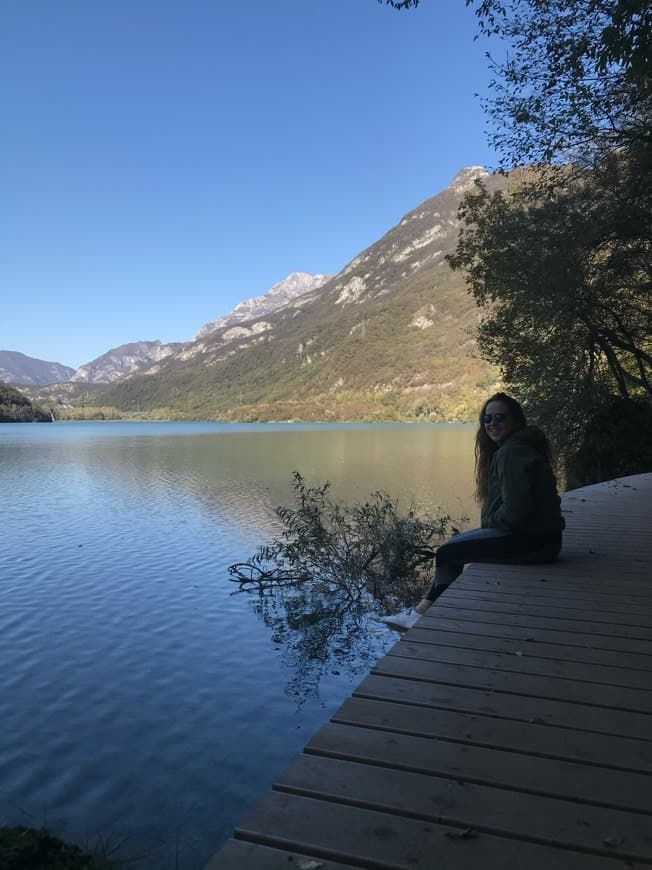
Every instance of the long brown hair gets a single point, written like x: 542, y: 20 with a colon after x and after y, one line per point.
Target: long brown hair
x: 485, y: 447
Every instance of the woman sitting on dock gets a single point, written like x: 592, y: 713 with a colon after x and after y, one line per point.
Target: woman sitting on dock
x: 521, y: 519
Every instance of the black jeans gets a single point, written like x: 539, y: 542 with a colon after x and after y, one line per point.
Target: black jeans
x: 490, y: 545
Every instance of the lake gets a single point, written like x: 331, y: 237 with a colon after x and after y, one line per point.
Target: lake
x: 146, y: 702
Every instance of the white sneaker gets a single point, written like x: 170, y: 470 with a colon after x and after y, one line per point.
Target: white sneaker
x: 401, y: 620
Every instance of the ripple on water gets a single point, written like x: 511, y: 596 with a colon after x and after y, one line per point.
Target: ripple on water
x: 141, y: 696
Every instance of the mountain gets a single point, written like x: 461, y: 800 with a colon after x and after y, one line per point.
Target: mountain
x: 17, y: 408
x: 280, y: 294
x: 129, y: 358
x: 16, y: 368
x: 123, y: 360
x: 389, y: 337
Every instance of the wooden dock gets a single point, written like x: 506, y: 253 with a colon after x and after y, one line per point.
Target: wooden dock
x: 510, y: 728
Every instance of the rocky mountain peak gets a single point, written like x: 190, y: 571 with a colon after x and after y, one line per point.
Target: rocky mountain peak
x: 419, y: 241
x: 123, y: 360
x: 17, y: 368
x: 296, y: 284
x: 465, y: 179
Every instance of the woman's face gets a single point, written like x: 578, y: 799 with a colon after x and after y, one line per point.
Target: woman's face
x: 498, y: 422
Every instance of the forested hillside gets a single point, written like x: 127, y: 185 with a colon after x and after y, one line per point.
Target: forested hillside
x: 17, y: 408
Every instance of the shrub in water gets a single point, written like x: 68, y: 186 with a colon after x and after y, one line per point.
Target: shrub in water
x: 365, y: 554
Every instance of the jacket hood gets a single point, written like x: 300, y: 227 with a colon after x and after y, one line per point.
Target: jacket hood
x: 533, y: 437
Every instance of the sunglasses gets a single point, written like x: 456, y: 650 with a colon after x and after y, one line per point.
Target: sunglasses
x: 497, y: 418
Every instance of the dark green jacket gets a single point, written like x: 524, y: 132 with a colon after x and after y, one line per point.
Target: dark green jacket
x: 522, y: 488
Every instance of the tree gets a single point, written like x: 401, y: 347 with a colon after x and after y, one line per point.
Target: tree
x: 401, y: 4
x: 318, y: 585
x: 366, y: 555
x: 564, y: 281
x: 17, y: 408
x: 561, y: 262
x: 576, y: 79
x: 575, y: 83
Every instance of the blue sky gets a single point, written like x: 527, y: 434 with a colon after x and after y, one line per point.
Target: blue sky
x: 162, y: 161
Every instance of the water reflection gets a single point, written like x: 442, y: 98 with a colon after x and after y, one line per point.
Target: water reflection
x: 233, y: 478
x: 330, y: 567
x: 318, y: 636
x: 238, y: 475
x: 140, y: 694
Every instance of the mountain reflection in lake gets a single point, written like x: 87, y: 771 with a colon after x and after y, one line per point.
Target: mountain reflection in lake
x: 141, y: 697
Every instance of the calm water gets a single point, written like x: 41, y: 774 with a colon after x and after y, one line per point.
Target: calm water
x: 141, y: 698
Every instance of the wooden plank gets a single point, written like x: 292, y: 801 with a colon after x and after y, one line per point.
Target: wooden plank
x: 618, y: 544
x: 398, y: 715
x: 583, y: 585
x: 584, y: 533
x: 564, y: 604
x: 597, y: 497
x: 576, y: 626
x: 558, y: 589
x: 504, y: 705
x: 630, y: 569
x: 561, y: 595
x: 511, y: 729
x: 522, y: 662
x: 633, y: 701
x: 594, y: 523
x: 239, y: 855
x: 599, y: 547
x: 573, y: 568
x: 613, y: 513
x: 587, y: 510
x: 563, y: 579
x: 579, y: 571
x: 595, y: 528
x: 496, y: 811
x: 592, y: 516
x: 513, y: 770
x: 446, y: 621
x: 378, y: 841
x: 601, y: 552
x: 590, y: 509
x: 591, y: 499
x: 626, y: 662
x: 627, y: 621
x: 631, y: 522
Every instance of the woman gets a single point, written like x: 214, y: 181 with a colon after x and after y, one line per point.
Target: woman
x: 521, y: 515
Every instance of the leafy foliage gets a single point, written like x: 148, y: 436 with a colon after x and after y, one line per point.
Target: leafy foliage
x: 561, y: 263
x: 363, y: 554
x: 401, y: 4
x: 17, y: 408
x: 23, y: 848
x: 566, y: 287
x: 331, y: 569
x: 575, y: 81
x: 616, y: 442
